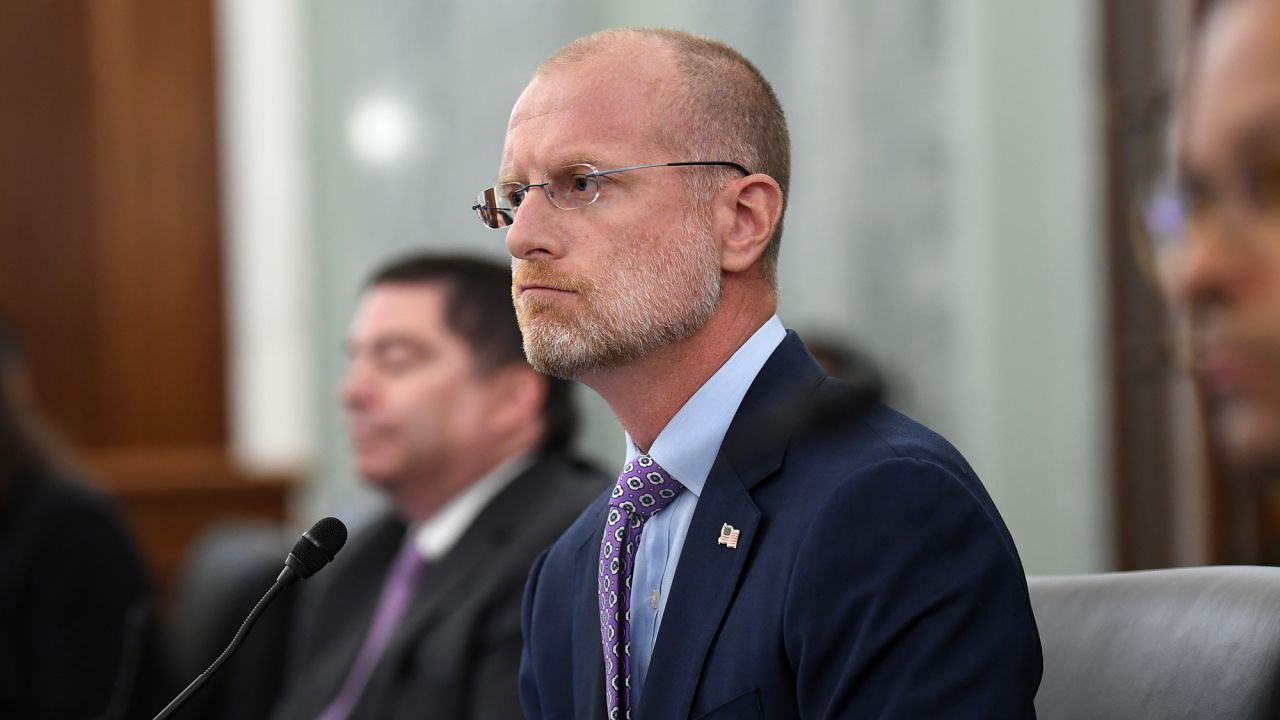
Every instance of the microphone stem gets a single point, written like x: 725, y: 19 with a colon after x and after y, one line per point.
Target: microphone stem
x: 235, y: 643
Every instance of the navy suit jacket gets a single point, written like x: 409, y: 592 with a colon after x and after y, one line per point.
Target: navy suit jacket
x: 873, y: 578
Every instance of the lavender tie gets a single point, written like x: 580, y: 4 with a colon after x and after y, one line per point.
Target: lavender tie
x: 397, y: 591
x: 643, y: 489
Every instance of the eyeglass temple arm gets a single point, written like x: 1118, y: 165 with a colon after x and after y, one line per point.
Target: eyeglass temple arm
x: 722, y: 163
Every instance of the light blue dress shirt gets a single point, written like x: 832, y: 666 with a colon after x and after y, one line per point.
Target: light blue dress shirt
x: 686, y: 448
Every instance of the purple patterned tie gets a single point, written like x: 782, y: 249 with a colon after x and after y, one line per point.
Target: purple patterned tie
x: 643, y: 489
x: 397, y: 591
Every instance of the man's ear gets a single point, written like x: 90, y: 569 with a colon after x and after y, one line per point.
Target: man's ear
x: 744, y: 216
x: 518, y: 394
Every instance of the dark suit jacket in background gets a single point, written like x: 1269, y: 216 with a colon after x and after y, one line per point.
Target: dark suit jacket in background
x: 873, y: 578
x: 456, y: 651
x: 79, y: 629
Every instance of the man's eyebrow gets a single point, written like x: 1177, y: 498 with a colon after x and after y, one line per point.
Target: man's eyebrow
x: 583, y: 160
x: 397, y: 339
x: 351, y: 346
x: 507, y: 175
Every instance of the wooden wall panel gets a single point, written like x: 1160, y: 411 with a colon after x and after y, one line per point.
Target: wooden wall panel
x: 110, y: 264
x: 1134, y: 96
x: 111, y: 254
x: 158, y: 255
x: 46, y: 230
x: 169, y: 495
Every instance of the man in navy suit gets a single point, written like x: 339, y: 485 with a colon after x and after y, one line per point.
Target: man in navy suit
x: 779, y: 545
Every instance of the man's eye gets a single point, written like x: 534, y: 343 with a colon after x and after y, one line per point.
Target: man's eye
x: 1195, y: 198
x: 1265, y: 188
x: 399, y: 358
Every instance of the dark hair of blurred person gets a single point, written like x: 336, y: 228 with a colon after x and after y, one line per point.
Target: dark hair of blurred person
x: 420, y: 615
x: 78, y: 631
x: 25, y: 446
x: 843, y: 362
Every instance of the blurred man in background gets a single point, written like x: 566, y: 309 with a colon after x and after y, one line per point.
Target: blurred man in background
x: 1221, y: 222
x: 419, y: 617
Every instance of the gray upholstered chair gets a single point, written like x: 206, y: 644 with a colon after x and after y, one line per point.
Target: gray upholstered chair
x: 1183, y: 643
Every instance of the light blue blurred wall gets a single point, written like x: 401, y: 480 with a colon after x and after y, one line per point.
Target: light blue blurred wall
x: 944, y: 212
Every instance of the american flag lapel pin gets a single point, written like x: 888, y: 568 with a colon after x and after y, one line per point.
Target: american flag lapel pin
x: 728, y: 536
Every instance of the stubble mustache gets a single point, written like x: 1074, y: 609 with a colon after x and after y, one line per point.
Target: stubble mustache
x: 538, y: 273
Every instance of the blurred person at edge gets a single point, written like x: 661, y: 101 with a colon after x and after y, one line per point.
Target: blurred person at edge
x: 1219, y: 225
x: 749, y: 562
x: 469, y: 444
x: 79, y: 634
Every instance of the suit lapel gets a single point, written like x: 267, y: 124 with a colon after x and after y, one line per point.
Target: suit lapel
x: 708, y: 573
x: 357, y: 583
x: 446, y: 579
x: 700, y: 595
x: 588, y: 681
x: 443, y: 582
x: 440, y: 580
x: 454, y: 576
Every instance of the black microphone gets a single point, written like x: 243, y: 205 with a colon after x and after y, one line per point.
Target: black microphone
x: 313, y: 551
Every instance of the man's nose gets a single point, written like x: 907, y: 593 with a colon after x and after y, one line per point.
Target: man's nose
x: 1208, y: 262
x: 356, y: 389
x: 533, y: 235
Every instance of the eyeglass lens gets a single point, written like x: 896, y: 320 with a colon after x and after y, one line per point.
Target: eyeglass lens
x: 568, y: 188
x: 492, y: 213
x: 1251, y: 198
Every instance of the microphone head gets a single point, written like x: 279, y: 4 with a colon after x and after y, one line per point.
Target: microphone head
x: 317, y: 547
x: 329, y: 534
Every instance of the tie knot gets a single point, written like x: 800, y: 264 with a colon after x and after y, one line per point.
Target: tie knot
x: 643, y: 489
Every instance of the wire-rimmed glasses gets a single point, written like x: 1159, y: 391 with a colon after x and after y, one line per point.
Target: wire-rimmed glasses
x: 1248, y: 199
x: 568, y: 188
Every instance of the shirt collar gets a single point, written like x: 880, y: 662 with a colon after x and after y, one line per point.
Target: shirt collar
x: 437, y: 535
x: 687, y: 447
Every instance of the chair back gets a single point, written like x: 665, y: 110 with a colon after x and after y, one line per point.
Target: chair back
x: 1181, y: 643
